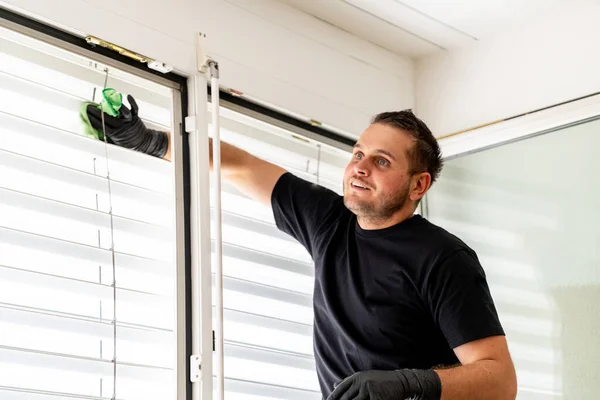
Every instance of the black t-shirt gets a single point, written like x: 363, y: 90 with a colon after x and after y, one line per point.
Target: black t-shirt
x: 399, y: 297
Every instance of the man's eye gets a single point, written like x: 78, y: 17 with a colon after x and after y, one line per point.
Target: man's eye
x: 358, y: 155
x: 382, y: 161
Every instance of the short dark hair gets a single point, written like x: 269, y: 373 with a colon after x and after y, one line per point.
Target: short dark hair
x: 426, y: 154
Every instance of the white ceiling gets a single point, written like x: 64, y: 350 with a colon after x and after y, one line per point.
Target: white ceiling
x: 416, y: 28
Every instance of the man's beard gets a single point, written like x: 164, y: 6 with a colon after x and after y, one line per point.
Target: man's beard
x: 378, y: 210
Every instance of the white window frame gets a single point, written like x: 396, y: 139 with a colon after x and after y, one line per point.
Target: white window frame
x: 536, y: 123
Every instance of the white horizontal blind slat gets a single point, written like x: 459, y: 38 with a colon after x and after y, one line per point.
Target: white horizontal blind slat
x: 99, y: 219
x: 14, y: 393
x: 80, y: 324
x: 76, y: 287
x: 266, y: 291
x: 270, y: 355
x: 82, y: 364
x: 75, y: 250
x: 239, y: 389
x: 258, y: 320
x: 81, y: 179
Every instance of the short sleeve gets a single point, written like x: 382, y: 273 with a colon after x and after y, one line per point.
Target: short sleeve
x: 301, y: 208
x: 460, y: 300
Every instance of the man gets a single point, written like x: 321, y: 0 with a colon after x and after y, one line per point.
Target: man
x: 402, y: 307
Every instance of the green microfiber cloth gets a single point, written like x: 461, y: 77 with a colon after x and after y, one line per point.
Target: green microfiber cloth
x: 111, y: 104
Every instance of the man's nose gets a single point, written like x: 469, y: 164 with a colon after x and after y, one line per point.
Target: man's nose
x: 360, y: 168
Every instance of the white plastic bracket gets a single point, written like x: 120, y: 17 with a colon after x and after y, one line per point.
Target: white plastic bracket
x: 195, y: 368
x: 190, y: 122
x: 202, y: 58
x: 160, y: 66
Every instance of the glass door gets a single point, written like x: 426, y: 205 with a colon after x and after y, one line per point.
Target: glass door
x: 531, y: 211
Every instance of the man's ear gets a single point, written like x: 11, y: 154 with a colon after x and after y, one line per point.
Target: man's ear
x: 420, y: 184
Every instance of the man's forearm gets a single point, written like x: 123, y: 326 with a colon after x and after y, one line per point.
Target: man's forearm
x: 484, y: 379
x: 167, y: 155
x: 233, y: 159
x: 250, y: 175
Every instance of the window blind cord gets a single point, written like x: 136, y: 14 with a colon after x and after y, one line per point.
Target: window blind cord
x: 112, y: 252
x: 318, y: 161
x: 218, y: 254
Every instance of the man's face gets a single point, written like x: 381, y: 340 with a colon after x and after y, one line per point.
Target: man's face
x: 377, y: 182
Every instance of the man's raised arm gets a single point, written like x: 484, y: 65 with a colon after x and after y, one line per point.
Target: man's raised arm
x: 249, y: 174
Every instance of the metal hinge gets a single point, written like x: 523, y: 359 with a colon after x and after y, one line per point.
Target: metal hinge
x: 196, y: 364
x: 153, y: 64
x: 195, y: 368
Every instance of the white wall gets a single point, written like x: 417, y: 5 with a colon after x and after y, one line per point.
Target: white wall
x: 265, y: 49
x: 548, y: 61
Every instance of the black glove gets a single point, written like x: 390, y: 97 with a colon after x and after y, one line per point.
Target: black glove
x: 129, y: 131
x: 405, y: 384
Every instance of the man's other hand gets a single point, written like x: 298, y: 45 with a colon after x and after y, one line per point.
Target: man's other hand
x: 389, y: 385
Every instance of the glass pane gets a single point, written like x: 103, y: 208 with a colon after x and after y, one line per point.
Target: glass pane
x: 531, y: 211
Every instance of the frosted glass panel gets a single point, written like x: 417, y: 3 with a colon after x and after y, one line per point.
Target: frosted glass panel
x: 531, y: 210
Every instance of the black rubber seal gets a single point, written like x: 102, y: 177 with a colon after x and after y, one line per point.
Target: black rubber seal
x: 81, y: 42
x: 239, y: 101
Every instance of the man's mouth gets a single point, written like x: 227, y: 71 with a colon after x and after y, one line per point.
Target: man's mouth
x: 359, y: 186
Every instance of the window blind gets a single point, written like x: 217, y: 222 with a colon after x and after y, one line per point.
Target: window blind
x: 268, y: 276
x: 87, y: 239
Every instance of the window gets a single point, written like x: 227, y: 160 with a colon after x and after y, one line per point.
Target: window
x: 537, y: 240
x: 65, y: 199
x: 268, y: 276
